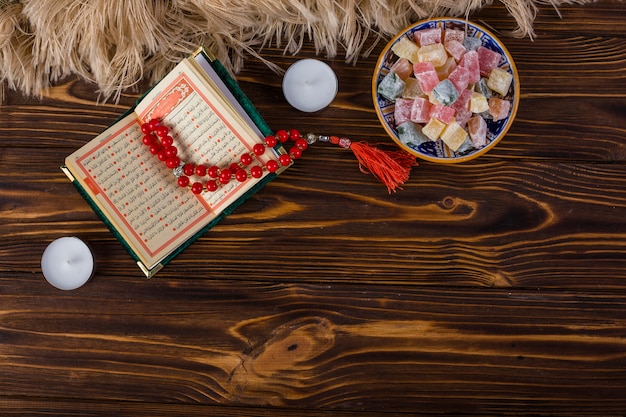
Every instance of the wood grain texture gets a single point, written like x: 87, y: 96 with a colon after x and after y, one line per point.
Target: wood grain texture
x: 316, y: 346
x: 493, y: 287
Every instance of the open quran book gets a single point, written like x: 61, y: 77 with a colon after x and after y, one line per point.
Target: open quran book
x: 137, y: 196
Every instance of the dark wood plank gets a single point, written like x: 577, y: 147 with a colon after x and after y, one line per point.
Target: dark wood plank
x: 35, y: 407
x: 600, y: 18
x: 371, y: 348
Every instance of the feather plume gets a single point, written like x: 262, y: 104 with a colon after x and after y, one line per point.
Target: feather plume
x: 117, y: 43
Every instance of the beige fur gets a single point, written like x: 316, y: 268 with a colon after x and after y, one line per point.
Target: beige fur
x: 116, y: 43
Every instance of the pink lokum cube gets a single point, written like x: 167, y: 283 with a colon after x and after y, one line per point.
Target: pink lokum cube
x: 470, y: 61
x: 453, y: 34
x: 460, y: 78
x: 487, y: 60
x: 403, y: 68
x: 462, y: 117
x: 455, y: 49
x: 499, y: 108
x: 426, y: 76
x: 428, y: 36
x: 402, y: 112
x: 420, y: 113
x: 420, y: 67
x: 463, y: 101
x: 442, y: 113
x: 477, y: 128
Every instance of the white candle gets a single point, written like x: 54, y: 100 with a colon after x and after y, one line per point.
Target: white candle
x: 67, y: 263
x: 310, y: 85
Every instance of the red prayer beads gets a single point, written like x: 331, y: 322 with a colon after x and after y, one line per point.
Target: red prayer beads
x: 161, y: 144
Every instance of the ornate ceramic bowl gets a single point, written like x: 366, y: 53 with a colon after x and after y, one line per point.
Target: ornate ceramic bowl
x: 435, y: 149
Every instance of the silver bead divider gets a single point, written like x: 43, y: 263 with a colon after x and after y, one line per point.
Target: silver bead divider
x: 179, y: 171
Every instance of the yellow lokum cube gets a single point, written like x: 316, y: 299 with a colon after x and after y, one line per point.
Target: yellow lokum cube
x: 453, y: 135
x: 405, y: 48
x: 433, y: 129
x: 435, y: 53
x: 499, y: 81
x: 478, y: 103
x: 445, y: 70
x: 412, y: 88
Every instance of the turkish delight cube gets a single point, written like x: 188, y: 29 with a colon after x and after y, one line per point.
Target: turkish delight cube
x: 499, y: 108
x: 462, y: 102
x: 445, y: 92
x: 499, y: 81
x: 433, y: 129
x: 487, y: 59
x: 462, y: 116
x: 481, y: 87
x: 426, y: 76
x: 460, y: 78
x: 403, y: 68
x: 435, y: 53
x: 432, y: 98
x: 441, y: 112
x: 471, y: 43
x: 391, y: 86
x: 427, y: 37
x: 455, y: 49
x: 461, y: 107
x: 453, y: 135
x: 470, y: 61
x: 421, y: 67
x: 477, y: 128
x: 406, y: 48
x: 402, y: 111
x: 420, y: 112
x: 412, y: 88
x: 453, y: 35
x: 445, y: 70
x: 478, y: 103
x: 465, y: 146
x: 410, y: 134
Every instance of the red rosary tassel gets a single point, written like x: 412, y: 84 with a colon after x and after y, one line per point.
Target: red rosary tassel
x: 392, y: 168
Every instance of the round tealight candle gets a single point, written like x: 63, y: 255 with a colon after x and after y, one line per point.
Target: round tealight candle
x: 310, y: 85
x: 67, y: 263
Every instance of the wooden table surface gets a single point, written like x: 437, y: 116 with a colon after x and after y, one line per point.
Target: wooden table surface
x: 491, y: 287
